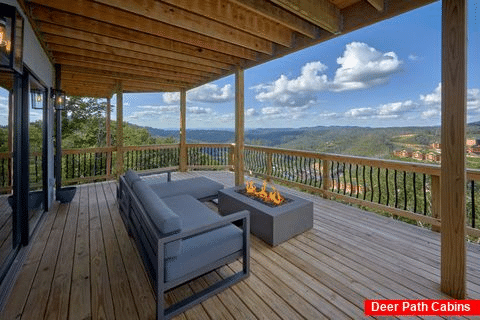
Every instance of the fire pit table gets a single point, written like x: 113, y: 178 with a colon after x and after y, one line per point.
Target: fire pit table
x: 272, y: 224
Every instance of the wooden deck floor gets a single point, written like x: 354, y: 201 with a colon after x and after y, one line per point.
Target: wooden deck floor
x: 83, y: 265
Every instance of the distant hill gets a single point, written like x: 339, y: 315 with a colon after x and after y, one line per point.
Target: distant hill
x: 348, y: 140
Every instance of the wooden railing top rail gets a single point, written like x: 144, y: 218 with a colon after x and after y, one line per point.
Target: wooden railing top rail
x: 151, y: 147
x: 210, y: 145
x: 88, y: 150
x: 430, y: 169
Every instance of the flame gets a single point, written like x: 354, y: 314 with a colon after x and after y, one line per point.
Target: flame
x: 272, y: 196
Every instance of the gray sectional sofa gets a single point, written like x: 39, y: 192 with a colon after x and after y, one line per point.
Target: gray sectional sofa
x: 180, y: 238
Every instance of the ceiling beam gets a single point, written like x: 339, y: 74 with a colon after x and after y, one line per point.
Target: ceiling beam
x: 179, y: 18
x: 88, y: 41
x: 126, y: 85
x: 134, y: 58
x: 123, y: 76
x: 135, y: 65
x: 72, y: 77
x: 322, y: 13
x: 377, y: 4
x: 97, y: 64
x: 235, y: 16
x: 62, y: 23
x: 128, y: 20
x: 285, y: 18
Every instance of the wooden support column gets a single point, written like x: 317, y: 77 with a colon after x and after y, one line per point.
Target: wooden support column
x: 108, y: 136
x: 326, y: 181
x: 239, y: 126
x: 453, y: 178
x: 119, y: 163
x: 436, y: 205
x: 183, y: 132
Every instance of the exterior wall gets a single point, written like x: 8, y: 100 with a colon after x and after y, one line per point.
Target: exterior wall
x: 35, y: 58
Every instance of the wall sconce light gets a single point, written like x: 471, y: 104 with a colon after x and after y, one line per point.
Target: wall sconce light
x: 37, y: 97
x: 59, y: 98
x: 11, y: 39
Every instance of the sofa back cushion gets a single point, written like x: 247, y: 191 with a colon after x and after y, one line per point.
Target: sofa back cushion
x: 131, y: 177
x: 162, y: 218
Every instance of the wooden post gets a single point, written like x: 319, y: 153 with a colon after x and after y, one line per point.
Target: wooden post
x: 436, y: 205
x: 453, y: 177
x: 119, y: 164
x: 183, y: 133
x: 108, y: 137
x: 325, y: 175
x: 239, y: 126
x: 269, y: 166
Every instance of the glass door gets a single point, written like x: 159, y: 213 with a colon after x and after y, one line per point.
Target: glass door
x: 7, y: 246
x: 36, y: 132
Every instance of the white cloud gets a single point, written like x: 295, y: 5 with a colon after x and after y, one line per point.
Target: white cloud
x: 413, y: 57
x: 210, y: 93
x: 361, y: 67
x: 396, y: 108
x: 199, y: 110
x: 2, y: 98
x: 430, y: 113
x: 251, y: 112
x: 433, y: 98
x: 361, y: 113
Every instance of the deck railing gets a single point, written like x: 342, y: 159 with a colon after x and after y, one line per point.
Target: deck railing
x: 404, y: 189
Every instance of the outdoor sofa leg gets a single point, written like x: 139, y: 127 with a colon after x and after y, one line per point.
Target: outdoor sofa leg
x: 160, y: 284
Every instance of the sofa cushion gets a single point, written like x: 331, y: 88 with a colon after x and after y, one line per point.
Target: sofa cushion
x: 198, y: 188
x: 191, y: 212
x: 203, y: 250
x: 131, y: 177
x: 160, y: 215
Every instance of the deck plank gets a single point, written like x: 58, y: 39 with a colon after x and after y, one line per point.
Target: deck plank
x: 84, y: 265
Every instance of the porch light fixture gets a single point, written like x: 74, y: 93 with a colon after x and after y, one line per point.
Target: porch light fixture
x: 59, y: 98
x: 11, y: 39
x: 37, y: 99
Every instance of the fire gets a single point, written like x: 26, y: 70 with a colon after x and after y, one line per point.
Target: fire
x: 272, y: 196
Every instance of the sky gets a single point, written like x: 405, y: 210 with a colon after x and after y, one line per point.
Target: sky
x: 388, y: 74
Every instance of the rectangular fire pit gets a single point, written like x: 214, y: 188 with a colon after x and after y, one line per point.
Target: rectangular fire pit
x: 271, y: 224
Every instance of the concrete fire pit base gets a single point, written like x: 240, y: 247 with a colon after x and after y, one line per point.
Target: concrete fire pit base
x: 273, y: 225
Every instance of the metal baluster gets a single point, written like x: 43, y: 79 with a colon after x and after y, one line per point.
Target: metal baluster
x: 379, y: 186
x: 388, y: 191
x: 473, y: 202
x: 414, y: 192
x: 310, y: 170
x: 424, y: 194
x: 405, y: 190
x: 344, y: 179
x: 315, y: 161
x: 350, y: 176
x: 332, y: 178
x: 356, y: 180
x: 338, y: 177
x: 364, y: 184
x: 371, y: 183
x: 396, y: 188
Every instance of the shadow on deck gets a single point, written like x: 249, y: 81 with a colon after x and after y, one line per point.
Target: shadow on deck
x: 83, y: 265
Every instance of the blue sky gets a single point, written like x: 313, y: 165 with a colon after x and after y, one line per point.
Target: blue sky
x: 384, y: 75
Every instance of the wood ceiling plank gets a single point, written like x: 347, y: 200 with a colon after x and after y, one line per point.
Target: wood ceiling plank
x: 238, y: 17
x: 180, y: 18
x: 57, y: 22
x: 126, y: 85
x: 135, y: 65
x: 121, y: 68
x: 322, y: 13
x: 122, y: 76
x: 280, y: 16
x: 93, y: 81
x: 128, y: 20
x: 377, y: 4
x: 147, y: 60
x: 86, y: 41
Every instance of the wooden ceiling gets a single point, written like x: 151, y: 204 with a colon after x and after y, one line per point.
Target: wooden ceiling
x: 158, y: 46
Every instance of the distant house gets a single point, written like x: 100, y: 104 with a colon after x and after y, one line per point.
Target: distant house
x: 432, y: 156
x: 473, y: 142
x: 402, y: 153
x: 419, y: 155
x: 436, y: 145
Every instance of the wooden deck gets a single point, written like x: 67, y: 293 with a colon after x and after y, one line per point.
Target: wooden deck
x: 83, y: 265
